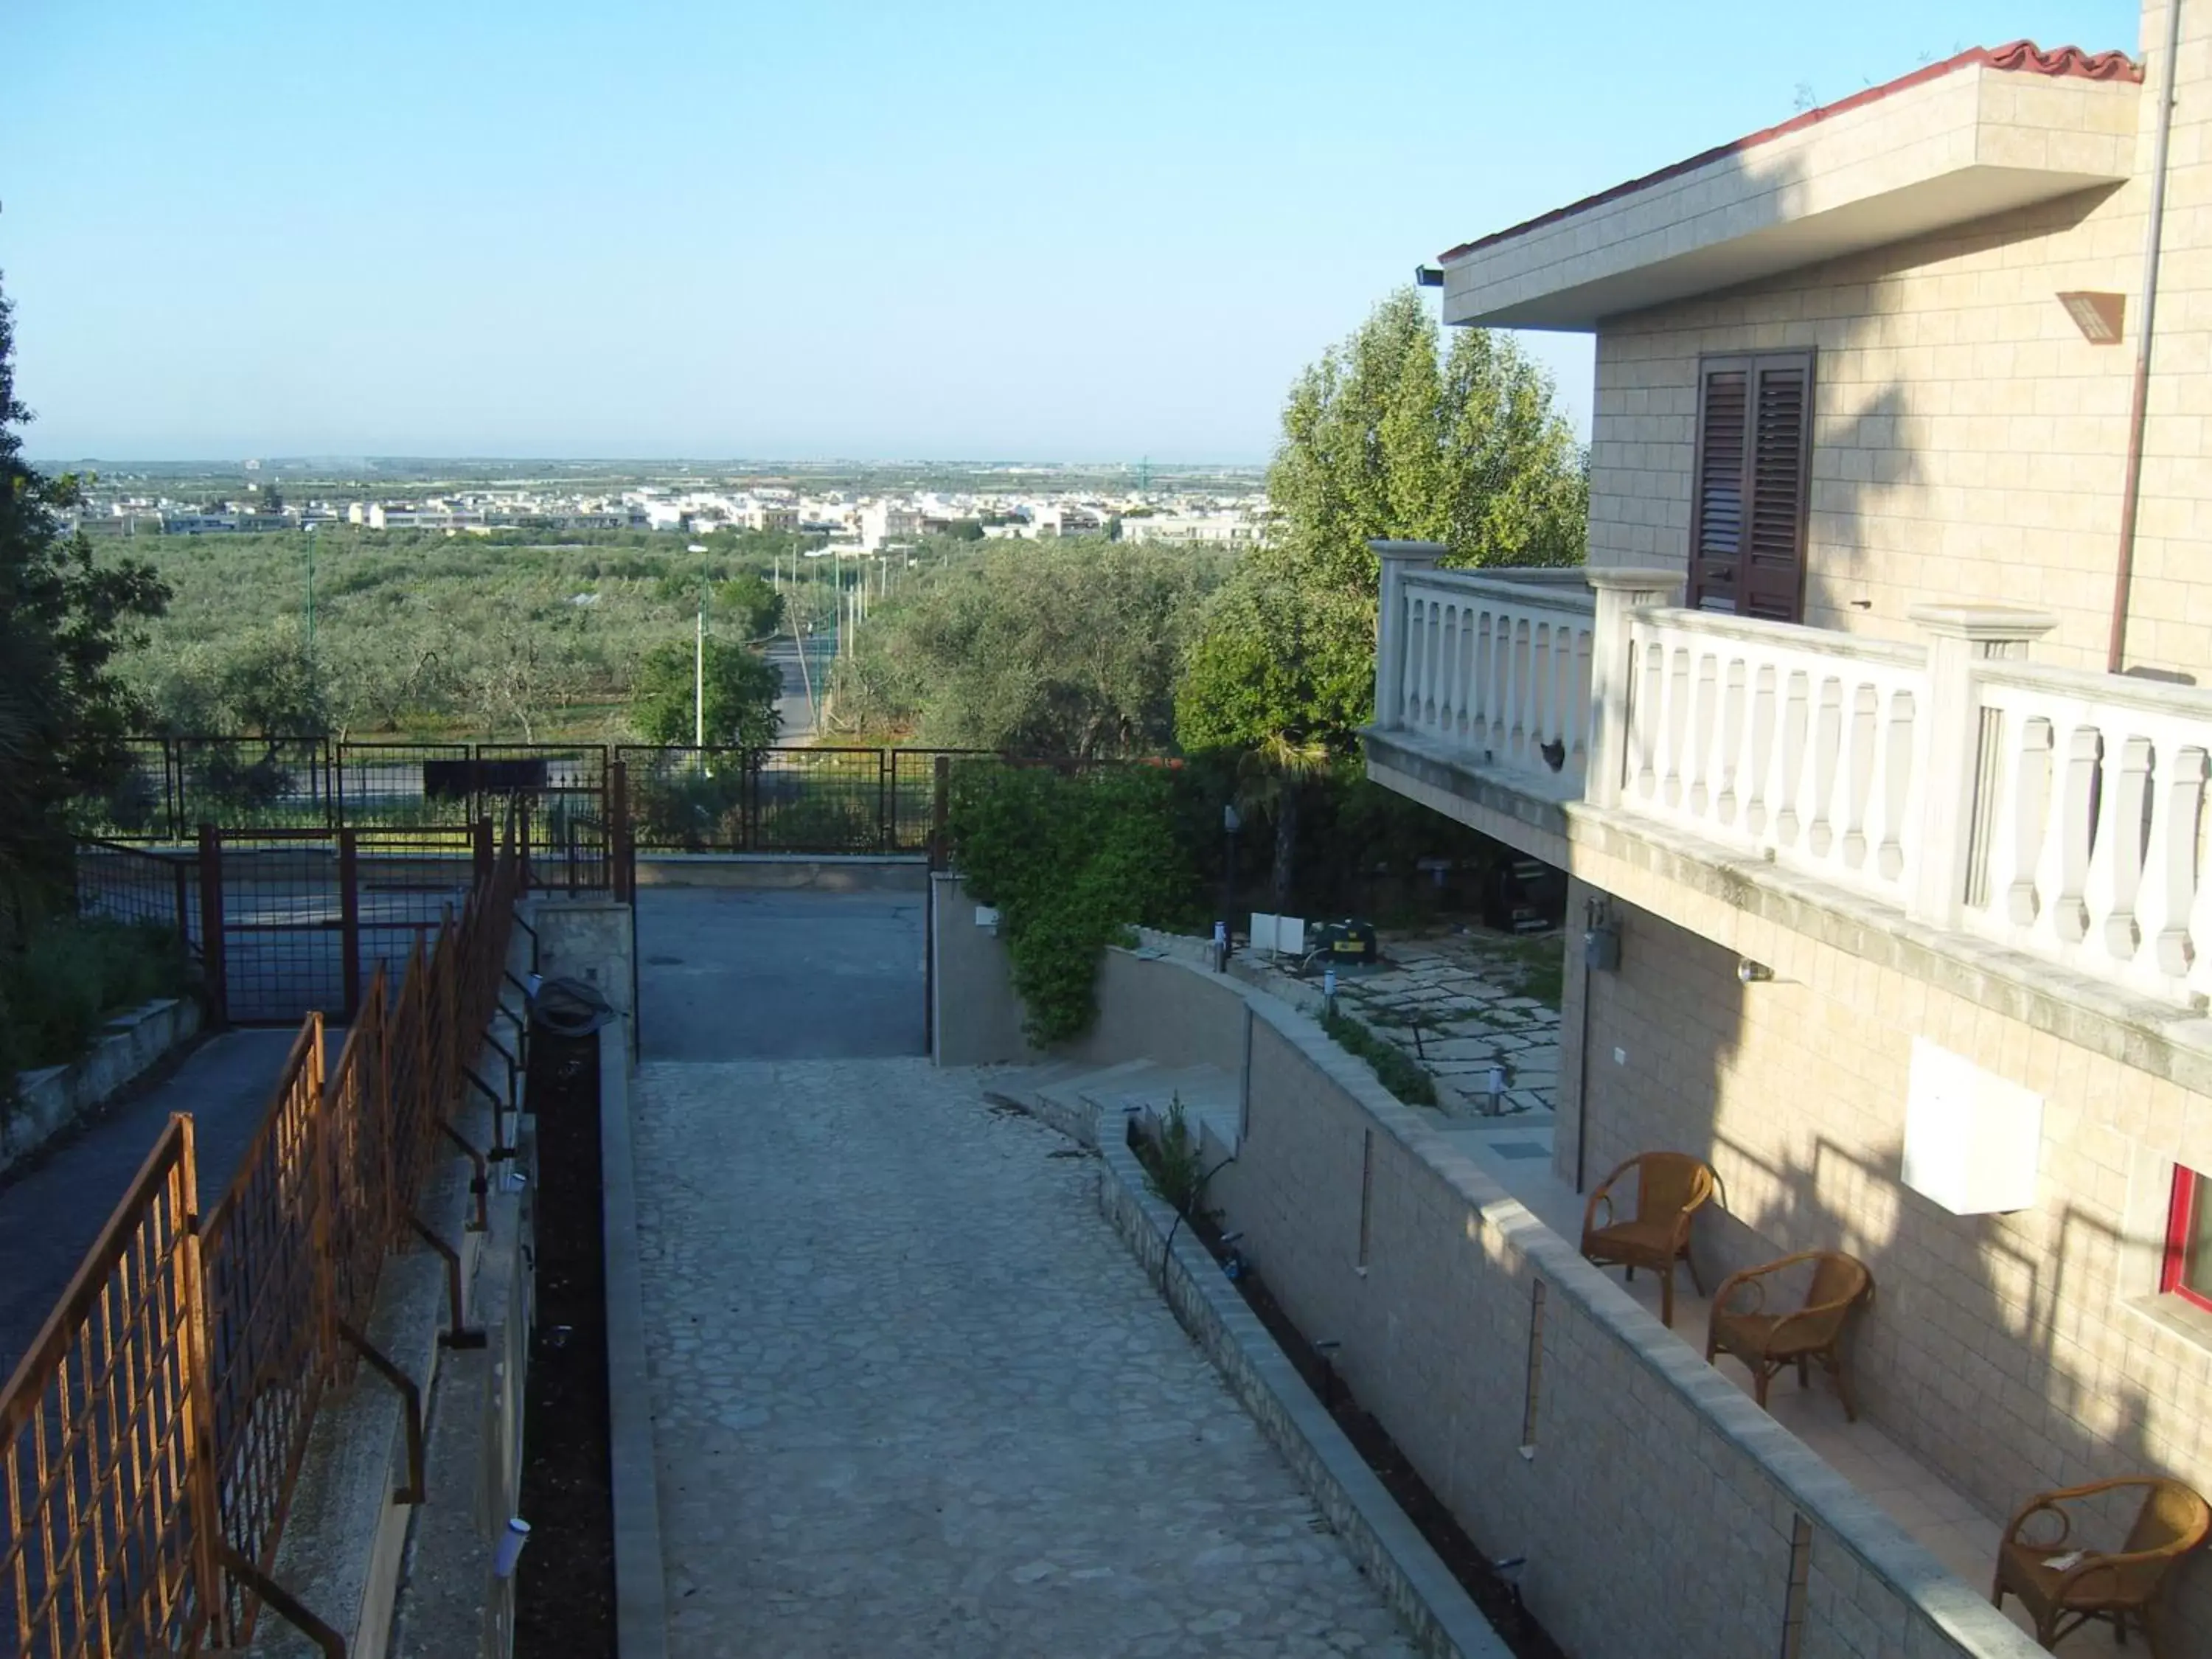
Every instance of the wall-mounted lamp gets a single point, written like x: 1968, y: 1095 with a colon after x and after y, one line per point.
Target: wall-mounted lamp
x: 1428, y: 275
x: 2099, y: 316
x: 1753, y: 973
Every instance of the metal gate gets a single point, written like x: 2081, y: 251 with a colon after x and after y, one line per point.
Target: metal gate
x: 293, y: 922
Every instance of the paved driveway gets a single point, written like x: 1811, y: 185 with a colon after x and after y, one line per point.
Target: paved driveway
x: 913, y: 1397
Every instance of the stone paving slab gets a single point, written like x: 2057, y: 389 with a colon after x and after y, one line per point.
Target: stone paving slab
x: 913, y: 1397
x: 1464, y: 990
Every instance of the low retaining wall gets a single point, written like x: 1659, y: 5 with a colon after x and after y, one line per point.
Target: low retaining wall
x: 819, y: 872
x: 417, y: 1578
x: 1389, y: 1549
x: 1659, y: 1510
x: 49, y: 1100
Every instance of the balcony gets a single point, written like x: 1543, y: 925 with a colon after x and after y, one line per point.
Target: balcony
x: 1950, y: 784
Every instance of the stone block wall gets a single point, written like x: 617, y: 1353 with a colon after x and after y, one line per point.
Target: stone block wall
x: 1654, y: 1504
x: 2013, y: 1352
x: 1969, y: 444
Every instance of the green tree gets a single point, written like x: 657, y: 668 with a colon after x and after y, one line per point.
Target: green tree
x: 752, y: 603
x: 272, y: 499
x: 63, y: 618
x: 267, y: 687
x: 1054, y: 649
x: 1384, y: 437
x: 741, y: 690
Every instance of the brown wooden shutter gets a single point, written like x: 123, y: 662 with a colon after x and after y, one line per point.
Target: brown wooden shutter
x: 1747, y: 519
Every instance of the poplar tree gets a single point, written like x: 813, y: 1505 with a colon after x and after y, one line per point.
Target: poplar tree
x: 1385, y: 437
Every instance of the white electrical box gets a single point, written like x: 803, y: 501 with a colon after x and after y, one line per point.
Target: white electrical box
x: 986, y: 916
x: 1972, y: 1139
x: 1282, y: 935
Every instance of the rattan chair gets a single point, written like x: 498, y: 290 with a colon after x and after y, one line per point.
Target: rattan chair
x: 1767, y: 1342
x: 1670, y: 1187
x: 2064, y: 1586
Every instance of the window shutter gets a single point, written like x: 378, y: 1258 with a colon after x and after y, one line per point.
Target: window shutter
x: 1754, y: 427
x: 1717, y: 551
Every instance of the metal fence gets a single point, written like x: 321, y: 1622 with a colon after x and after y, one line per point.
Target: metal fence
x: 104, y: 1449
x: 283, y: 921
x: 172, y: 786
x: 782, y: 799
x: 583, y: 798
x: 152, y: 1437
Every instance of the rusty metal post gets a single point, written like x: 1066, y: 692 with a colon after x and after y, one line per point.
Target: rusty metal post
x: 618, y: 829
x: 349, y: 918
x: 940, y: 810
x: 211, y: 951
x: 203, y: 1498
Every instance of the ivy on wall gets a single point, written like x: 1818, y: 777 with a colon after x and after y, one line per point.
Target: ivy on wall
x: 1072, y: 862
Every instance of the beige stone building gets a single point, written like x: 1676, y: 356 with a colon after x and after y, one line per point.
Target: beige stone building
x: 1878, y: 755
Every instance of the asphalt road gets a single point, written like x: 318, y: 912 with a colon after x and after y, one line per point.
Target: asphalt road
x: 793, y: 704
x: 737, y: 975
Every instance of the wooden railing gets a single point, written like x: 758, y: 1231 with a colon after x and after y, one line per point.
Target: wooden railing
x: 152, y: 1437
x: 2058, y: 813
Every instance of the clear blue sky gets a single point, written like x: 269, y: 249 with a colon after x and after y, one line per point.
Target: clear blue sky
x: 1065, y: 230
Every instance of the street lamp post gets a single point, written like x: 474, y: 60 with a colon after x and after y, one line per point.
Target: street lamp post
x: 1231, y: 822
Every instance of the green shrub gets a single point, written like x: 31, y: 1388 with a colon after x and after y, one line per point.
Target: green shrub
x: 1072, y: 863
x: 70, y: 974
x: 1395, y: 1069
x: 1172, y: 1170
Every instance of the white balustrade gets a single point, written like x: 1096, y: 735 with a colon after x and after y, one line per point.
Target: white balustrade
x: 2059, y: 813
x: 2089, y: 824
x: 1789, y: 741
x: 1496, y: 668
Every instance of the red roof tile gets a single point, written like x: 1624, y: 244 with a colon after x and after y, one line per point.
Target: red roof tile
x: 2019, y: 56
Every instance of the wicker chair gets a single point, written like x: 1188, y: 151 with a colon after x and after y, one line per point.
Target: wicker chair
x: 1669, y: 1189
x: 2119, y: 1588
x: 1767, y: 1342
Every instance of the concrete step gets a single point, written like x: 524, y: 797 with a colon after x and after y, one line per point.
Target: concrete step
x: 1079, y: 1099
x: 1211, y: 1101
x: 1059, y: 1092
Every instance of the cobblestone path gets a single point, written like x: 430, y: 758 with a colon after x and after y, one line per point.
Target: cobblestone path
x: 912, y: 1397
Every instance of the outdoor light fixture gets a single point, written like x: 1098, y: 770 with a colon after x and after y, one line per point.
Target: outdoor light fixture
x: 1753, y: 973
x: 2099, y: 316
x: 510, y: 1547
x: 1428, y: 275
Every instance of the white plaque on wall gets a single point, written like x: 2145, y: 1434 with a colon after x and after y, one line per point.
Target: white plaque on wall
x: 1972, y: 1138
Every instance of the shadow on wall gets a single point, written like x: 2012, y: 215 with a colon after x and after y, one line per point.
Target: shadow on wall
x: 1992, y: 1349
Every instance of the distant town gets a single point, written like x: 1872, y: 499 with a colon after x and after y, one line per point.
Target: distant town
x: 852, y: 512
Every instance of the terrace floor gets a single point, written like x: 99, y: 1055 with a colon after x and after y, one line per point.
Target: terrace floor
x: 1941, y: 1519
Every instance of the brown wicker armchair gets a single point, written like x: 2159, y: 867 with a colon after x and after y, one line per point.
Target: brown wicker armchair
x: 1768, y: 1341
x: 2064, y: 1586
x: 1669, y: 1189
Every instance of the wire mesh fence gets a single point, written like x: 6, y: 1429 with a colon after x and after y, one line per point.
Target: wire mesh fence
x: 777, y: 799
x: 782, y: 799
x: 104, y: 1451
x: 269, y: 1342
x: 152, y: 1437
x: 169, y: 787
x: 118, y: 882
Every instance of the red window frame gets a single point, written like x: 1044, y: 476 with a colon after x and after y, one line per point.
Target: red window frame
x: 2190, y: 1191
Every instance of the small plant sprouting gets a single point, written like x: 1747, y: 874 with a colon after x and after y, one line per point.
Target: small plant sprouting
x: 1174, y: 1173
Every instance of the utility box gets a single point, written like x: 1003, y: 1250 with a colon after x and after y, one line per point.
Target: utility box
x: 1972, y: 1139
x: 1348, y: 943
